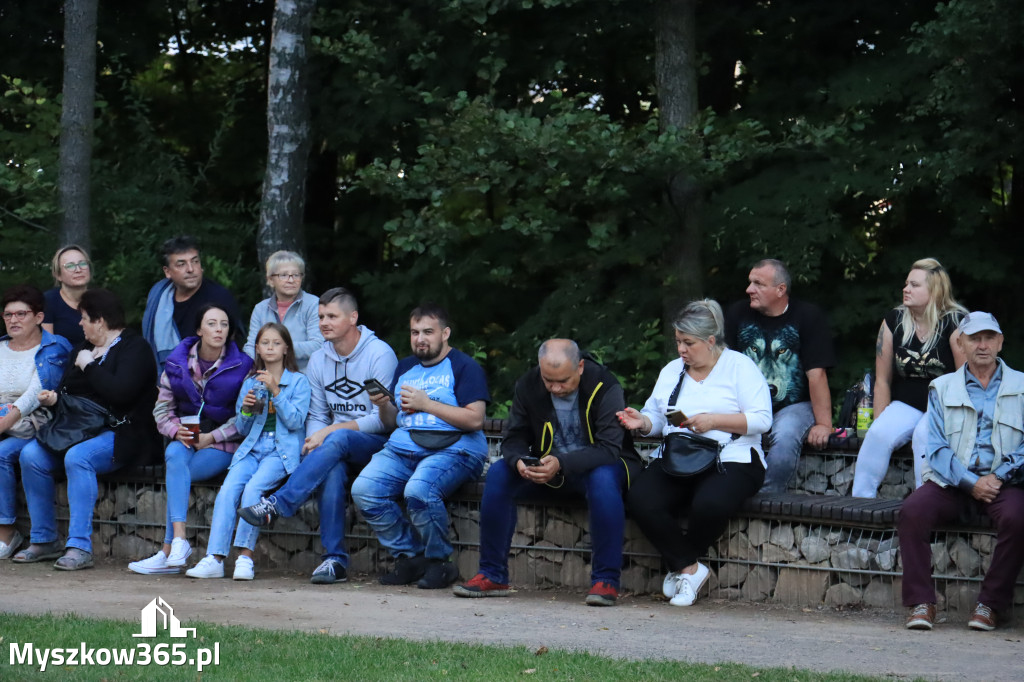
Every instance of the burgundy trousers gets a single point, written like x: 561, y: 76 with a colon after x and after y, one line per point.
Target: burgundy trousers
x: 931, y: 506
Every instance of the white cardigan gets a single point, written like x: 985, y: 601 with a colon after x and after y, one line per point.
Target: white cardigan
x: 735, y: 385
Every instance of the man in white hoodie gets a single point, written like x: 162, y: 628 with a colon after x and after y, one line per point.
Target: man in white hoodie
x: 343, y: 429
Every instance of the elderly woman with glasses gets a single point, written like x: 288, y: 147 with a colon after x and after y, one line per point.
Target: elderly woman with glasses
x: 72, y: 272
x: 288, y: 305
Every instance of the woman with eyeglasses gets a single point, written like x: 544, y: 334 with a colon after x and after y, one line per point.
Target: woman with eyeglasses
x: 72, y: 272
x: 31, y: 360
x: 289, y: 305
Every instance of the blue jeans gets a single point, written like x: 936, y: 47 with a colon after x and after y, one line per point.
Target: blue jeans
x: 603, y: 489
x: 247, y: 481
x: 424, y: 480
x: 82, y: 463
x: 327, y: 468
x: 785, y: 443
x: 185, y: 465
x: 10, y: 448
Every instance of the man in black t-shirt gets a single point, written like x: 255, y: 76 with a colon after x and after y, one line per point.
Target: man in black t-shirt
x: 790, y: 341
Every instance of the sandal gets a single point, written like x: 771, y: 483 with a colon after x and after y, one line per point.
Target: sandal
x: 74, y: 560
x: 38, y: 552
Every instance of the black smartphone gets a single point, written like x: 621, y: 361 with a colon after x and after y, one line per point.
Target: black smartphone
x: 531, y: 461
x: 675, y: 417
x: 374, y: 387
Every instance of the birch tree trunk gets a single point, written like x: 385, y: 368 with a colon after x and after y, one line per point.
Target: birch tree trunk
x: 675, y: 66
x: 284, y: 183
x: 76, y: 121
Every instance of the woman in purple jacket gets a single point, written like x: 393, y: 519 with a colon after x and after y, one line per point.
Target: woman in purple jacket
x: 201, y: 377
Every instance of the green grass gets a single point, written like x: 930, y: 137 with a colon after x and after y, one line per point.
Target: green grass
x: 255, y: 655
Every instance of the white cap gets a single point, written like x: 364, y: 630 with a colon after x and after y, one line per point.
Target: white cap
x: 978, y: 321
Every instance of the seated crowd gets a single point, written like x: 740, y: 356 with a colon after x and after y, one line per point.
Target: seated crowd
x: 314, y: 403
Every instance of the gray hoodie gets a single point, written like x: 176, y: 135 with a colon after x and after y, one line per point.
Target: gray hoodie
x: 337, y: 383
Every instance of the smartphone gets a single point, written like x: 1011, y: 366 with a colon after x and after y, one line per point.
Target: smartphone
x: 374, y: 387
x: 531, y: 461
x: 675, y: 417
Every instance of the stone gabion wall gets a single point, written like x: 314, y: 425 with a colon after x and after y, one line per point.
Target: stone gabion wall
x: 832, y: 474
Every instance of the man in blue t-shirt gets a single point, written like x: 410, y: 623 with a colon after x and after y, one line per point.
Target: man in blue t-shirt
x: 439, y: 398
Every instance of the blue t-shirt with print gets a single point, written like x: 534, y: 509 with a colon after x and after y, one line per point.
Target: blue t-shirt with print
x: 456, y: 380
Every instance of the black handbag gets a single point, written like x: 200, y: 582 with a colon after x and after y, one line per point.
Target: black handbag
x: 687, y: 454
x: 76, y: 419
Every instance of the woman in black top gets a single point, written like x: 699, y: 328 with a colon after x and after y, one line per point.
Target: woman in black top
x: 916, y: 343
x: 72, y: 272
x: 114, y: 368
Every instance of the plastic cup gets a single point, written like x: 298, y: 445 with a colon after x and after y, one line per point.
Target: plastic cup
x: 192, y: 424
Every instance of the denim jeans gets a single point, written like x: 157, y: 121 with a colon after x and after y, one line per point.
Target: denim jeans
x: 893, y: 428
x: 327, y: 468
x: 424, y: 480
x: 785, y: 443
x: 603, y: 489
x: 185, y: 465
x: 82, y: 463
x: 247, y: 481
x: 10, y: 449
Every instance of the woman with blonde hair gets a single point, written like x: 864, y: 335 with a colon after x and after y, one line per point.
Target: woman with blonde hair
x: 289, y: 305
x: 916, y: 343
x: 72, y: 272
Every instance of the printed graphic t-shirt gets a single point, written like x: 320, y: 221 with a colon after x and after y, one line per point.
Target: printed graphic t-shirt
x: 784, y: 348
x: 456, y: 380
x: 913, y: 370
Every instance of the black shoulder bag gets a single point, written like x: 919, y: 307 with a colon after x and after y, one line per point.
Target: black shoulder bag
x: 687, y: 454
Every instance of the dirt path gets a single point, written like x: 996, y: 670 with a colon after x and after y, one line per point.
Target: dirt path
x: 711, y: 631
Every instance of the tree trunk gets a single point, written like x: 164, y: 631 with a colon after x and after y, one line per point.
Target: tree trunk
x: 675, y: 75
x: 284, y: 183
x: 76, y: 121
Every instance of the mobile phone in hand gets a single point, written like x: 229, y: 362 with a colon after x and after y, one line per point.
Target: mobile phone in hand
x: 675, y: 417
x: 531, y: 461
x: 374, y: 387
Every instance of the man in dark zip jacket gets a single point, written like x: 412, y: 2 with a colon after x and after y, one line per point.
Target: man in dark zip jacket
x: 562, y: 438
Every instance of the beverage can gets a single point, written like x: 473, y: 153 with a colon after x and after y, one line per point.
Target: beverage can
x: 865, y: 415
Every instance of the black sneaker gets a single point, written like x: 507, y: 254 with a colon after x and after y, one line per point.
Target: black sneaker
x: 440, y: 574
x: 329, y: 572
x: 260, y: 514
x: 408, y: 569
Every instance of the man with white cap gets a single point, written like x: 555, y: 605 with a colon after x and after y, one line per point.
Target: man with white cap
x: 974, y: 459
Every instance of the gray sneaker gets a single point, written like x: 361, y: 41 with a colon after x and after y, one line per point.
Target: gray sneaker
x: 329, y: 572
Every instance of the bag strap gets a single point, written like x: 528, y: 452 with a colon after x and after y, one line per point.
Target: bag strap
x: 675, y: 394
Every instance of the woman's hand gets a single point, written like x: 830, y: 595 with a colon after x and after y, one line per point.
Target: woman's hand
x: 205, y: 440
x: 47, y: 398
x: 248, y: 401
x: 631, y: 419
x: 269, y: 381
x: 184, y: 436
x: 83, y: 358
x: 701, y: 423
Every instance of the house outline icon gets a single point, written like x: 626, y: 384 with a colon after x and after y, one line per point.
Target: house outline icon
x: 159, y: 612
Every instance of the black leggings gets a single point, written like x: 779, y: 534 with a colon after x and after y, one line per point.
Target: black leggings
x: 708, y: 500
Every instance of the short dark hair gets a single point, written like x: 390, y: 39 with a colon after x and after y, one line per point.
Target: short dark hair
x: 27, y: 294
x: 430, y: 309
x: 179, y: 244
x: 103, y: 304
x: 340, y: 295
x: 214, y: 306
x: 290, y: 363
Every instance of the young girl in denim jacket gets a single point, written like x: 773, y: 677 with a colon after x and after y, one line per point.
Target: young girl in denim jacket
x: 274, y: 433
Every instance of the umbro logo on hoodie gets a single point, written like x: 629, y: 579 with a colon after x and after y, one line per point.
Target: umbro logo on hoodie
x: 344, y: 388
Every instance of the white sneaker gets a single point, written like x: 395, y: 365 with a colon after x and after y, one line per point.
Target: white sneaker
x: 154, y: 564
x: 7, y: 549
x: 180, y: 552
x: 670, y: 586
x: 690, y: 585
x: 244, y: 569
x: 209, y: 567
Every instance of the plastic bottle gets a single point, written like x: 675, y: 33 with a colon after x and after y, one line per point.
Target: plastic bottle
x: 259, y: 391
x: 865, y: 408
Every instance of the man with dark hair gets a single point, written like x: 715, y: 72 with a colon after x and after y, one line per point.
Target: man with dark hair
x: 791, y: 343
x: 563, y: 437
x: 173, y: 302
x: 440, y: 395
x: 973, y: 461
x: 343, y: 428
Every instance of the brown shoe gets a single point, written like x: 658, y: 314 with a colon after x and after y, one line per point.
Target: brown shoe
x: 922, y: 617
x: 983, y: 618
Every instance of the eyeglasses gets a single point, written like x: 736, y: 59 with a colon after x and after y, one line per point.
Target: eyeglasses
x: 80, y: 265
x: 18, y: 315
x: 288, y: 277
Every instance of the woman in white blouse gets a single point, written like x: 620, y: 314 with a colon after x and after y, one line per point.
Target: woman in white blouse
x: 721, y: 395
